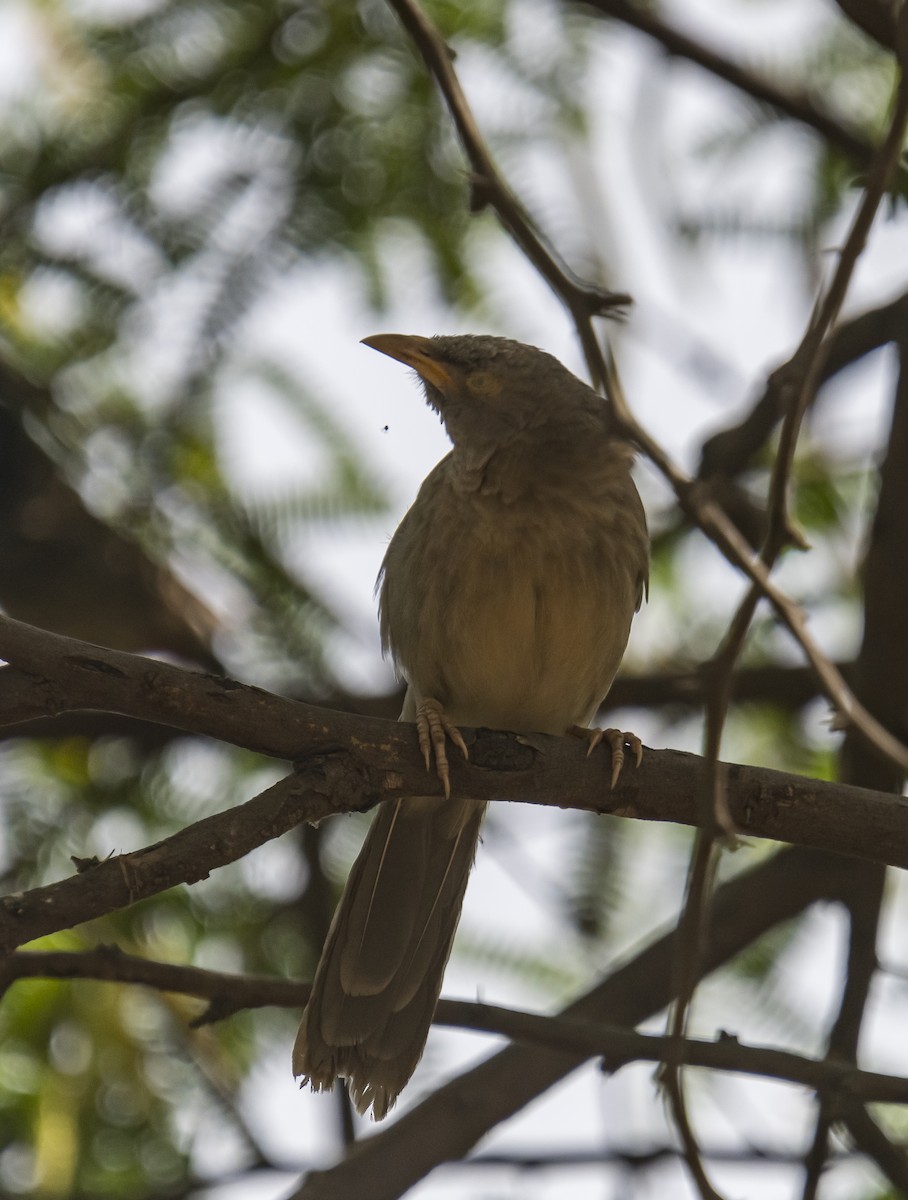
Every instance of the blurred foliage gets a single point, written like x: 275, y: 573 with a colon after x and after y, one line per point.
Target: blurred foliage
x: 167, y: 171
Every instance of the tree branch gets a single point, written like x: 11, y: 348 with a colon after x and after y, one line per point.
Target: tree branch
x: 449, y: 1122
x: 877, y: 18
x: 229, y: 993
x: 796, y: 383
x: 348, y: 763
x: 780, y: 684
x: 799, y: 106
x: 729, y: 451
x: 885, y: 692
x: 101, y: 887
x: 488, y: 185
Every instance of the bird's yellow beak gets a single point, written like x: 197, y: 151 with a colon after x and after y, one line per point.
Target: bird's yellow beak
x: 416, y: 352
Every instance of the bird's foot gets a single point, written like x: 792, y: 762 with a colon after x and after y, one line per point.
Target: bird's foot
x: 432, y: 726
x: 617, y: 740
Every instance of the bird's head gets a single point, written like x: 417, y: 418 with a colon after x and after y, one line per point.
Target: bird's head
x: 490, y: 390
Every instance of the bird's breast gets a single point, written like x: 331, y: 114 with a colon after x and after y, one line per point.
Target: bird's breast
x: 514, y: 616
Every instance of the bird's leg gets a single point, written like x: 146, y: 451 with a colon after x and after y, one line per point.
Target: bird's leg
x: 432, y: 725
x: 617, y: 740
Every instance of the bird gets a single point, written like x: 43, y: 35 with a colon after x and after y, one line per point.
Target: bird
x: 506, y: 598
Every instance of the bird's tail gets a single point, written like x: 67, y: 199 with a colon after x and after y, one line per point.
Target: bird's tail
x: 381, y: 969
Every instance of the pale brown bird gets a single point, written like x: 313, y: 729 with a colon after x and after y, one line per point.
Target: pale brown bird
x: 507, y: 595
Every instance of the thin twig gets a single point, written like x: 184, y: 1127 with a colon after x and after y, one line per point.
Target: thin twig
x: 231, y: 993
x: 796, y: 383
x: 801, y: 107
x: 489, y: 187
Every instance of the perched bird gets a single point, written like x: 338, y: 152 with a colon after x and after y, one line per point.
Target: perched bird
x: 507, y: 595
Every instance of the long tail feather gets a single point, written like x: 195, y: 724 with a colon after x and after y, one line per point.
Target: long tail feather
x: 381, y: 970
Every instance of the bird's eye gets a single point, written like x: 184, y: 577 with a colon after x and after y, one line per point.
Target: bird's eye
x: 484, y: 383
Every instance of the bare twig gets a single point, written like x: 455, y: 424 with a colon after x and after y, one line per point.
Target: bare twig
x: 796, y: 383
x: 685, y: 976
x: 449, y: 1122
x: 885, y: 691
x: 489, y: 187
x: 690, y: 1147
x: 801, y: 107
x: 870, y: 1139
x: 728, y: 452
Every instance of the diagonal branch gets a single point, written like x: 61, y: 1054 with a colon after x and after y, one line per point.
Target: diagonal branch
x: 885, y: 692
x: 796, y: 383
x: 799, y: 106
x: 448, y: 1123
x: 728, y: 452
x: 489, y: 187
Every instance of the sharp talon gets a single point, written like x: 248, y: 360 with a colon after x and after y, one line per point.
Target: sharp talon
x: 433, y: 727
x: 425, y: 745
x: 617, y: 740
x: 455, y: 735
x: 596, y: 736
x: 441, y: 761
x: 617, y: 764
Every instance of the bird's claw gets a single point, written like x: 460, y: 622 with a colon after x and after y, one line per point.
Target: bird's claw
x: 432, y: 726
x: 617, y: 739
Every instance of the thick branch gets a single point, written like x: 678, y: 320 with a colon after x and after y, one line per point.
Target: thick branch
x: 780, y: 684
x: 351, y: 763
x: 537, y: 770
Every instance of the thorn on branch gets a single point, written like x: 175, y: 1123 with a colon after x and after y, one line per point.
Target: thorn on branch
x: 84, y: 864
x: 600, y: 302
x: 111, y: 951
x: 482, y: 192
